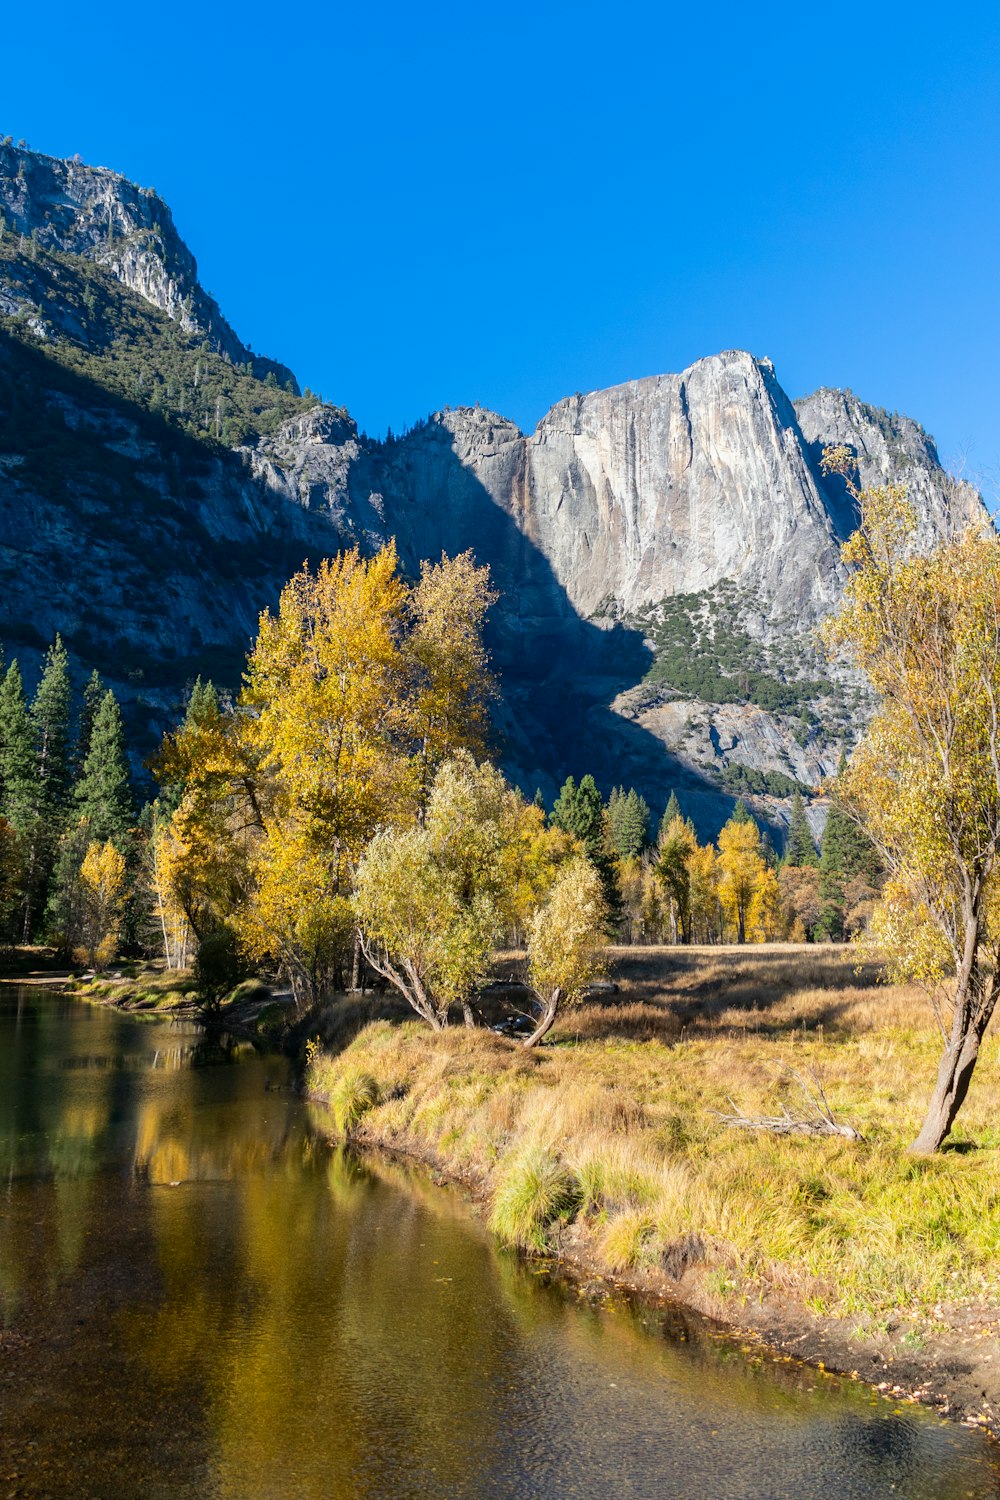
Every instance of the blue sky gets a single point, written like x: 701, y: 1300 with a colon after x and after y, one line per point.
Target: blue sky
x: 420, y: 206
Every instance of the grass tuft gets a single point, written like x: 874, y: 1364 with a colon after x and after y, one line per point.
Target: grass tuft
x: 534, y: 1190
x: 353, y: 1094
x: 628, y: 1240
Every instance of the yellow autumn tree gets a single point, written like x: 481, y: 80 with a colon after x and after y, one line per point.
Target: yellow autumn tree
x: 325, y: 707
x: 103, y: 892
x: 766, y: 917
x: 703, y: 893
x: 741, y: 868
x: 433, y: 900
x: 566, y: 941
x: 676, y: 846
x: 925, y: 779
x: 175, y: 926
x: 451, y: 685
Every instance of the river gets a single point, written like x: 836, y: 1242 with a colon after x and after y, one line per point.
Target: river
x: 199, y: 1297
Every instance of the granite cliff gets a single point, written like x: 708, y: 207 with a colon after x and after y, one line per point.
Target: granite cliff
x: 664, y: 548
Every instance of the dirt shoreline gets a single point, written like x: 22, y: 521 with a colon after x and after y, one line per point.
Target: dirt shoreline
x: 948, y: 1375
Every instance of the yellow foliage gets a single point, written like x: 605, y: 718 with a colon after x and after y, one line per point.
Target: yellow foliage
x: 703, y: 893
x: 102, y: 883
x: 925, y: 627
x: 451, y: 682
x: 765, y: 917
x: 741, y: 870
x: 432, y: 902
x: 355, y: 690
x: 566, y: 941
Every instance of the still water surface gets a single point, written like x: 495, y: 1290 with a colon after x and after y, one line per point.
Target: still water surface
x: 199, y: 1298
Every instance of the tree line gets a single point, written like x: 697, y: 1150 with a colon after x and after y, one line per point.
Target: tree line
x: 669, y: 888
x: 68, y: 834
x: 363, y: 716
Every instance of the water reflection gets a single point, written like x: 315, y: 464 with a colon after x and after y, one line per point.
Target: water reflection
x: 217, y: 1304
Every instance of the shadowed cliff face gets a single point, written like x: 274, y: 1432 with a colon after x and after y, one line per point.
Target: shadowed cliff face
x: 654, y: 488
x: 462, y: 482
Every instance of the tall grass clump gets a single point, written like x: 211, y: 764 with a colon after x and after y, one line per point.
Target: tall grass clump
x: 534, y: 1190
x: 353, y: 1094
x: 627, y: 1240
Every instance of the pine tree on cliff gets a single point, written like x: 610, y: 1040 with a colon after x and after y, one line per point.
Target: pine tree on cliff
x: 799, y: 847
x: 103, y: 794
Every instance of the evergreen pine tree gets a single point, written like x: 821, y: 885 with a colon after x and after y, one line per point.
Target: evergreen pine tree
x: 672, y: 811
x: 92, y: 695
x: 49, y: 721
x: 633, y: 821
x: 613, y: 815
x: 50, y: 713
x: 103, y: 794
x: 742, y: 813
x: 845, y: 853
x: 202, y: 704
x: 799, y: 846
x: 578, y: 810
x: 17, y: 753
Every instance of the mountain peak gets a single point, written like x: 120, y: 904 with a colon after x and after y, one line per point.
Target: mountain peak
x: 129, y: 230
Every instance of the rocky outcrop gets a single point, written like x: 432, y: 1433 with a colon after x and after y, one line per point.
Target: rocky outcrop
x: 655, y: 488
x: 91, y: 211
x: 889, y: 449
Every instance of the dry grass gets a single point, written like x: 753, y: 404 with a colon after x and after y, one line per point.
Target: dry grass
x: 616, y: 1125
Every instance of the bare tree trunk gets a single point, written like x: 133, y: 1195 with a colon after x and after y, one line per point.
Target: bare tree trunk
x: 975, y: 1000
x: 545, y: 1023
x: 356, y: 962
x: 954, y: 1077
x: 408, y: 982
x: 467, y: 1015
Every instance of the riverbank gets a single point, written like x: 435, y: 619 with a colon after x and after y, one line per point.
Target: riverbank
x: 606, y: 1150
x: 253, y: 1010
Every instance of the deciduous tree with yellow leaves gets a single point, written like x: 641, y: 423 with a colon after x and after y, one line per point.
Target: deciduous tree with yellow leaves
x: 102, y: 882
x: 355, y: 690
x: 433, y: 900
x: 925, y: 780
x: 741, y: 870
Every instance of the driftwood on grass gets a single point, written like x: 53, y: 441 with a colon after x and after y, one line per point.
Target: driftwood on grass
x: 820, y: 1122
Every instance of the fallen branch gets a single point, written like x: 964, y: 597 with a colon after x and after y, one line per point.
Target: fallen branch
x: 821, y: 1122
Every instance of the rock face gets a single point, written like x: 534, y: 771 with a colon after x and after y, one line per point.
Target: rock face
x: 90, y: 211
x: 664, y: 549
x: 889, y: 449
